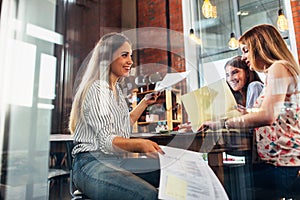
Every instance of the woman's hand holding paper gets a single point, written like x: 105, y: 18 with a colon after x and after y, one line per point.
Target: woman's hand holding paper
x: 152, y: 97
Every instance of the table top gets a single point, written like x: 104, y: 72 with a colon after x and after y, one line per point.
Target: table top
x: 222, y: 140
x: 61, y: 137
x: 219, y: 141
x: 224, y: 132
x: 233, y: 132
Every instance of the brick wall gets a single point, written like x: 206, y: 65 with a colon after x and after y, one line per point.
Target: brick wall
x: 163, y: 14
x: 177, y: 41
x: 151, y: 13
x: 90, y: 19
x: 295, y: 4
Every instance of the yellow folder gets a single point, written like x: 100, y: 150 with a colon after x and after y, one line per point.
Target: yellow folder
x: 212, y: 102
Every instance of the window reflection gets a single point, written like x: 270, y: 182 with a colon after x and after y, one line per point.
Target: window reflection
x: 28, y: 65
x: 21, y: 73
x: 233, y: 16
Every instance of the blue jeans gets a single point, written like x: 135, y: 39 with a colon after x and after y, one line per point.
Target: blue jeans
x: 101, y: 176
x: 273, y: 182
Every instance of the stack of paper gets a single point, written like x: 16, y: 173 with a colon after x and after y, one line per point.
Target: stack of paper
x: 185, y: 175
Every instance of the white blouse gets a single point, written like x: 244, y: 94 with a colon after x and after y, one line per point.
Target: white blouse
x: 105, y: 117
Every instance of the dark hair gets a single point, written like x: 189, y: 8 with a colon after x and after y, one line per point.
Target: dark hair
x: 250, y: 76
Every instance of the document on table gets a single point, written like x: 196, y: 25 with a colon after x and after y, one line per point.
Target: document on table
x: 185, y: 175
x: 212, y: 102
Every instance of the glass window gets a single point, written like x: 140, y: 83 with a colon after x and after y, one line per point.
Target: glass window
x: 233, y: 16
x: 29, y: 49
x: 42, y: 46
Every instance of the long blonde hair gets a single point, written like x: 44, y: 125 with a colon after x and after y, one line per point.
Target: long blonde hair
x: 266, y: 45
x: 97, y: 68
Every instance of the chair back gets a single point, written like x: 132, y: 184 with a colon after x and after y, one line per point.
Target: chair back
x: 75, y: 192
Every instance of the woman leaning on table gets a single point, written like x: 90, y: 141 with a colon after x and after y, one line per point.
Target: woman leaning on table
x: 276, y: 123
x: 100, y: 121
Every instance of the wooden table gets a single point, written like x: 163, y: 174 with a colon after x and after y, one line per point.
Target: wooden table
x: 61, y: 137
x: 212, y: 142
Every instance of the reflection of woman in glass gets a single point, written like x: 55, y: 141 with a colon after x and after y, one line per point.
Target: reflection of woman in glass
x: 101, y: 122
x: 244, y: 83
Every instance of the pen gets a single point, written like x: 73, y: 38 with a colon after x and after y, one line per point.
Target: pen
x: 162, y: 152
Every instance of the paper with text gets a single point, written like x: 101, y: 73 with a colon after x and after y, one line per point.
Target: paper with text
x: 185, y: 175
x: 212, y: 102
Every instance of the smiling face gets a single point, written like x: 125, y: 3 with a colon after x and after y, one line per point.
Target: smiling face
x: 122, y: 61
x: 236, y: 77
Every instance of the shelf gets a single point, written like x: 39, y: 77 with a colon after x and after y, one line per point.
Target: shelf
x: 168, y: 100
x: 145, y: 123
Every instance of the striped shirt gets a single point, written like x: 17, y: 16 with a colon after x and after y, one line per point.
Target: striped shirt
x: 105, y: 117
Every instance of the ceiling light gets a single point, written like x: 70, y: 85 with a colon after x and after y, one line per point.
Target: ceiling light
x: 194, y: 38
x: 233, y: 42
x: 282, y: 23
x: 208, y: 10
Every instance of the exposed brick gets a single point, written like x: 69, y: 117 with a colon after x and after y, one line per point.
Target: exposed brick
x: 152, y: 13
x: 295, y: 4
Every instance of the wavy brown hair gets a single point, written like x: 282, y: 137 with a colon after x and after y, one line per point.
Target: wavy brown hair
x: 266, y: 45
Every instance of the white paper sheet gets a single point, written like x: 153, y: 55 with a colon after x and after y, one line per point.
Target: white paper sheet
x: 185, y: 175
x: 171, y: 79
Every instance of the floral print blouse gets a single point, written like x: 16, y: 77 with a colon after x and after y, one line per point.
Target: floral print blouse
x: 279, y: 143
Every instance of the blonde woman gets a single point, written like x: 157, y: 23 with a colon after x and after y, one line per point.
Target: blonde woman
x: 100, y: 122
x: 276, y: 124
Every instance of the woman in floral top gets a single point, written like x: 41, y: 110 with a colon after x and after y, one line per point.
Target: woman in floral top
x: 276, y: 122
